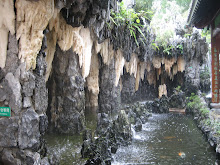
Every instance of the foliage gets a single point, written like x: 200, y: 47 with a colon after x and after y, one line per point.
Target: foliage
x: 131, y: 19
x: 184, y: 4
x: 169, y: 16
x: 180, y: 47
x: 162, y: 38
x: 154, y: 46
x: 167, y: 50
x: 178, y: 89
x: 207, y: 34
x: 207, y: 122
x: 217, y: 128
x: 187, y: 35
x: 204, y: 111
x: 143, y: 5
x: 194, y: 102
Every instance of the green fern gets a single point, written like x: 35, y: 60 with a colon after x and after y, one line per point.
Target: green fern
x: 130, y: 19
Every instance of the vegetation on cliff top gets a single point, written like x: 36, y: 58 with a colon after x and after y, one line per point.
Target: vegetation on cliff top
x: 131, y: 19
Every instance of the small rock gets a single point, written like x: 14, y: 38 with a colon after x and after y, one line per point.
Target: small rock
x: 45, y: 161
x: 9, y: 159
x: 9, y: 131
x: 27, y: 102
x: 43, y: 124
x: 138, y: 125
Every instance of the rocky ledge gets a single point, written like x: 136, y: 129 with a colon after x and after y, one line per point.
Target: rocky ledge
x: 112, y: 133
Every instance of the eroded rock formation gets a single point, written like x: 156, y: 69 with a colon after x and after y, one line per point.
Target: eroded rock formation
x: 59, y: 56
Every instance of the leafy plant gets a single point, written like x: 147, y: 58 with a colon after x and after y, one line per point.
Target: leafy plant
x: 178, y: 89
x: 204, y: 111
x: 130, y: 19
x: 154, y: 46
x: 180, y: 46
x: 194, y: 102
x: 187, y: 35
x: 168, y: 49
x: 143, y: 5
x: 208, y: 122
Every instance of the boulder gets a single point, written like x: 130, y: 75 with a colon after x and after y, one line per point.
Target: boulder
x: 29, y: 134
x: 138, y: 125
x: 14, y: 90
x: 177, y: 100
x: 8, y: 158
x: 160, y: 105
x: 9, y: 132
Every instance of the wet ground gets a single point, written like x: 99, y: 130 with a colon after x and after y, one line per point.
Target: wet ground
x: 66, y: 148
x: 167, y: 139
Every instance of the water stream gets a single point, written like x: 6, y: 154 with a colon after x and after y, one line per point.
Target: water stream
x: 167, y: 139
x: 68, y: 148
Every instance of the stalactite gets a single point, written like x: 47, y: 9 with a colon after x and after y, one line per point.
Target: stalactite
x: 151, y: 77
x: 92, y: 80
x: 78, y: 38
x: 148, y: 66
x: 121, y: 85
x: 181, y: 64
x: 157, y: 62
x: 143, y: 66
x: 66, y: 35
x: 119, y: 65
x: 32, y: 18
x: 168, y: 64
x: 175, y: 69
x: 137, y: 81
x: 87, y: 51
x: 131, y: 67
x: 7, y: 23
x: 106, y: 51
x: 51, y: 48
x: 162, y: 90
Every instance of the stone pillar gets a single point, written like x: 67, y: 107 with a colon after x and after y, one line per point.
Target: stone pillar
x: 66, y: 94
x: 109, y: 95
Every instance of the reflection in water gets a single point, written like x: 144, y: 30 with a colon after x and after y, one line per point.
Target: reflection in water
x: 167, y: 139
x: 66, y: 148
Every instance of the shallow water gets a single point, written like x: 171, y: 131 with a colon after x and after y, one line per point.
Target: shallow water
x: 167, y: 139
x: 66, y: 148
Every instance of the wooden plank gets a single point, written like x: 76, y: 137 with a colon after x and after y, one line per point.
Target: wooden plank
x: 176, y: 110
x: 215, y: 68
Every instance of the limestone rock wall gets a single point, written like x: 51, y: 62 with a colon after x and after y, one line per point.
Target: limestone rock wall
x: 66, y: 94
x: 109, y: 95
x: 26, y: 94
x: 59, y: 56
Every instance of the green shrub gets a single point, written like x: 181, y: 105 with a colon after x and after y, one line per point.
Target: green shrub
x: 208, y: 122
x: 130, y: 19
x: 178, y: 89
x: 194, y: 102
x: 180, y: 46
x: 143, y: 5
x: 217, y: 128
x: 204, y: 111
